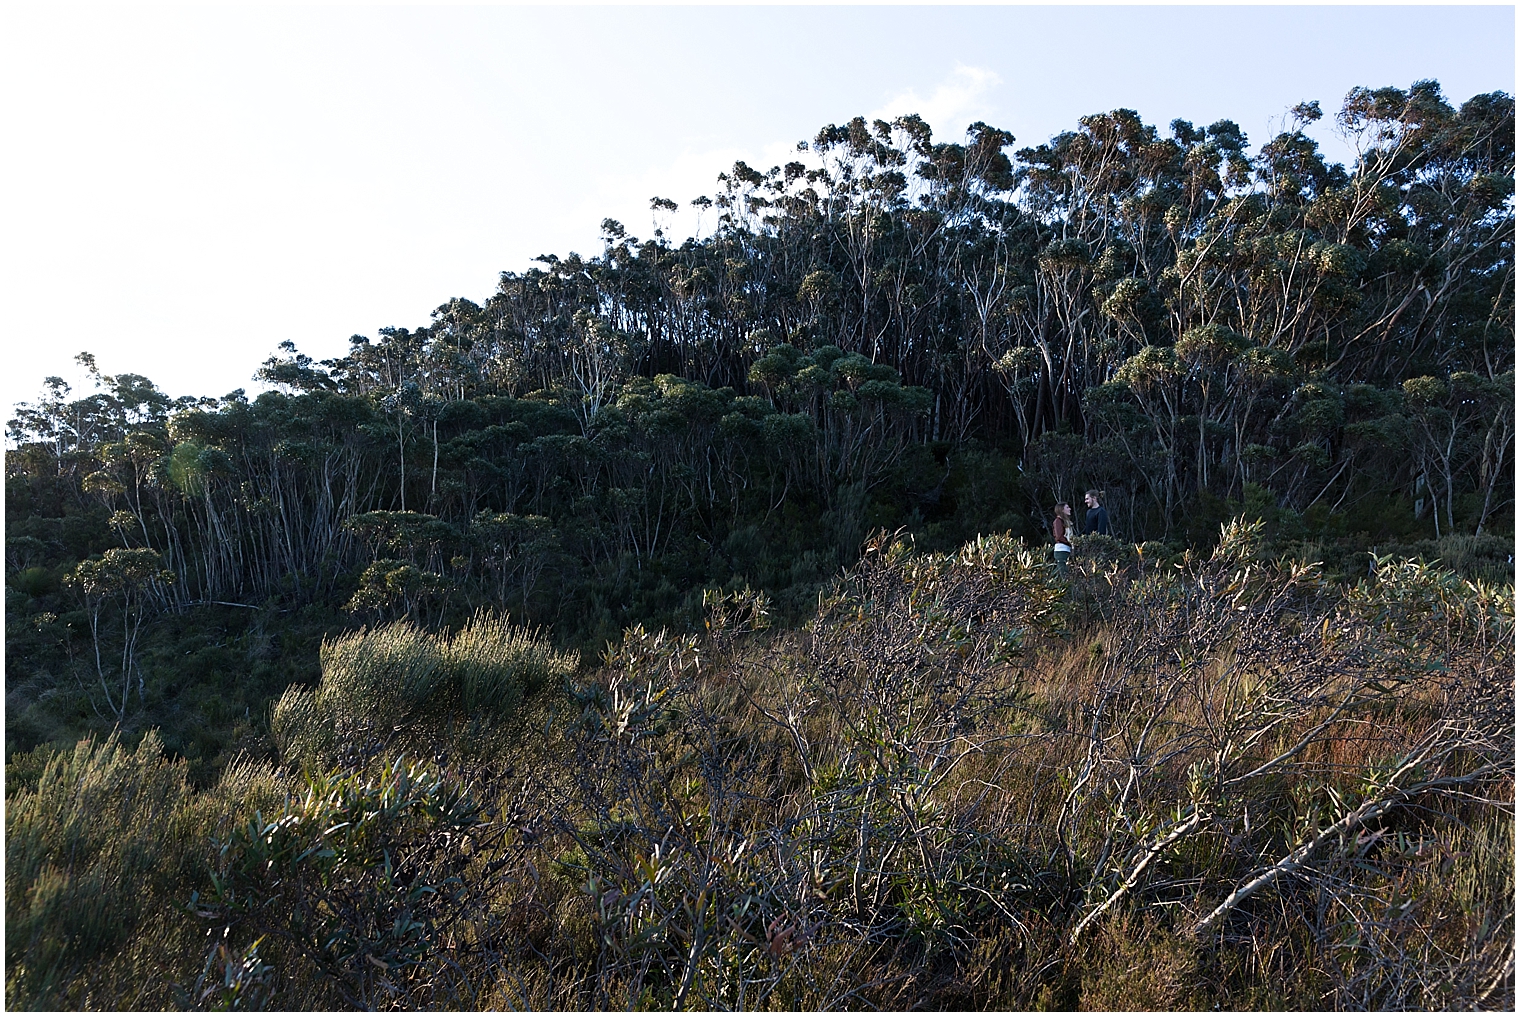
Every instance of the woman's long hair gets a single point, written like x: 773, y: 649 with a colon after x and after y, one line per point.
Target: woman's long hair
x: 1062, y: 511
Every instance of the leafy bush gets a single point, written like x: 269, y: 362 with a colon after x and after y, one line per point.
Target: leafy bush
x: 348, y: 888
x: 936, y: 761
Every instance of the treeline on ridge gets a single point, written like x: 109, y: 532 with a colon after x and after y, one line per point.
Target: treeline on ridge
x: 890, y: 332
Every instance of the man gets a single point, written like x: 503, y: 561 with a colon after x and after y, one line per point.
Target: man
x: 1097, y: 515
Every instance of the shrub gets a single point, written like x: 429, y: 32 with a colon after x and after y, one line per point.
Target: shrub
x: 1098, y: 552
x: 935, y: 761
x: 351, y: 888
x: 400, y: 681
x: 101, y: 849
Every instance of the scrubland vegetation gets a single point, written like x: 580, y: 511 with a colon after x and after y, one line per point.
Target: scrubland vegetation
x: 674, y: 629
x: 961, y: 784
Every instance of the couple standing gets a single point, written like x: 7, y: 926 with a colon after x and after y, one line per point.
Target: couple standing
x: 1064, y: 530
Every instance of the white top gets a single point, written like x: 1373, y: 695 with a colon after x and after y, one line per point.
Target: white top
x: 1063, y: 547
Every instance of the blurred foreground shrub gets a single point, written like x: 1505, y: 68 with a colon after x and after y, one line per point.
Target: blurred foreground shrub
x: 352, y: 890
x: 100, y: 858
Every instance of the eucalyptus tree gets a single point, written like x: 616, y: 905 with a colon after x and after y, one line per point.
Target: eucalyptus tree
x: 125, y: 581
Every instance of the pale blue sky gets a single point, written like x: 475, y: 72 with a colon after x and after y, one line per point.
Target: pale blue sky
x: 187, y: 188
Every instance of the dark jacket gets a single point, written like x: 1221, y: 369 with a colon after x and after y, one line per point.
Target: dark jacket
x: 1097, y: 520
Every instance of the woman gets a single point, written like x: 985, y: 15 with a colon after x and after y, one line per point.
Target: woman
x: 1061, y: 529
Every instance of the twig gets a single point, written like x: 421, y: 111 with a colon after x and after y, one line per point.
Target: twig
x: 1134, y: 877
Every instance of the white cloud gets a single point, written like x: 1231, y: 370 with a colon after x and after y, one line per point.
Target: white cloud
x: 956, y: 102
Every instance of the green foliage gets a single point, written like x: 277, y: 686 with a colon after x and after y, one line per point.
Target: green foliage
x: 963, y: 783
x: 1196, y: 329
x: 1426, y: 603
x: 124, y: 579
x: 118, y: 572
x: 387, y: 584
x: 353, y: 883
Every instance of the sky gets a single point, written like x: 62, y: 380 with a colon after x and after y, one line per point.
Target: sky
x: 184, y: 189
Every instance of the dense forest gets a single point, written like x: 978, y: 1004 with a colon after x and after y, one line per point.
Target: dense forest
x: 675, y: 628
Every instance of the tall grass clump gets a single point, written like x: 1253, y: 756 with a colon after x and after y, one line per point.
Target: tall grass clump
x: 102, y: 846
x: 399, y: 683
